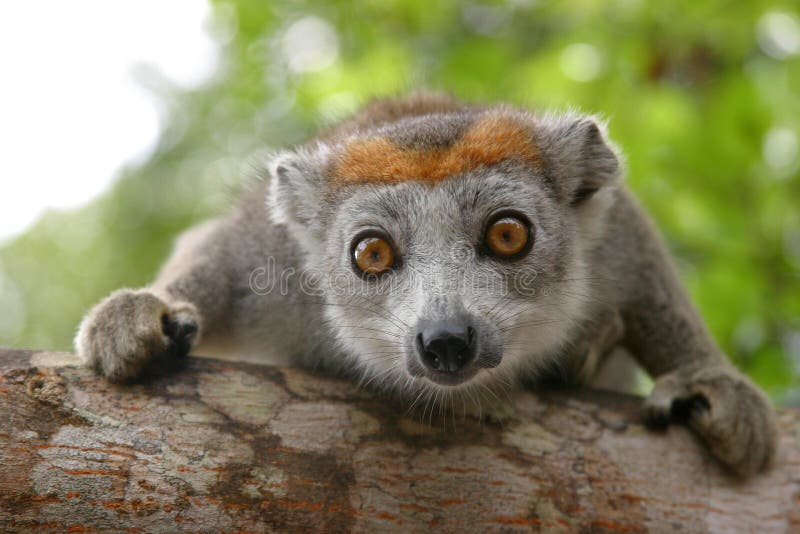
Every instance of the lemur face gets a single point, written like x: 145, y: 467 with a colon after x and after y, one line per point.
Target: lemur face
x: 448, y: 249
x: 451, y: 281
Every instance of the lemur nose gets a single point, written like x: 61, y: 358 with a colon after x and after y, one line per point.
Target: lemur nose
x: 446, y: 347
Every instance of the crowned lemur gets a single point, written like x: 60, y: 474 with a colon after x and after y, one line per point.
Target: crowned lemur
x: 436, y: 247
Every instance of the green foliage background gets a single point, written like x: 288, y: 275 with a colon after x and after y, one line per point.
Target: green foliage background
x: 691, y: 96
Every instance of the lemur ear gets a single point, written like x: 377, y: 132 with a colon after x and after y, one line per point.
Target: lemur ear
x: 295, y: 190
x: 582, y: 159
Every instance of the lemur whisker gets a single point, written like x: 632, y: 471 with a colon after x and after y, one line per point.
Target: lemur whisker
x: 476, y: 403
x: 433, y: 407
x: 382, y: 356
x: 386, y: 359
x: 528, y: 309
x: 386, y: 310
x: 332, y: 322
x: 425, y: 408
x: 501, y: 380
x: 492, y: 393
x: 389, y: 317
x: 372, y: 330
x: 395, y: 351
x: 381, y: 375
x: 347, y: 338
x: 529, y: 323
x: 385, y: 344
x: 419, y: 396
x: 452, y: 410
x: 502, y: 310
x: 383, y: 351
x: 442, y: 412
x: 396, y: 375
x: 505, y: 301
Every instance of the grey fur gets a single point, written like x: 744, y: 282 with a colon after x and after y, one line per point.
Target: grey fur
x: 598, y: 276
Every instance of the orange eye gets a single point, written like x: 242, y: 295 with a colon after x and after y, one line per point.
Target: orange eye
x: 507, y: 236
x: 373, y: 255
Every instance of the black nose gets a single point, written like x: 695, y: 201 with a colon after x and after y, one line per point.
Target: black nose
x: 446, y: 347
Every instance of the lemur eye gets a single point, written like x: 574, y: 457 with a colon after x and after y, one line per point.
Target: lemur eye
x: 373, y: 255
x: 507, y: 236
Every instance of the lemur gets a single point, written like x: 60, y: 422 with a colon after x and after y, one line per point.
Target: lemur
x: 433, y: 246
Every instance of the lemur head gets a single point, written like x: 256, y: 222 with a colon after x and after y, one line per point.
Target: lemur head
x: 448, y: 246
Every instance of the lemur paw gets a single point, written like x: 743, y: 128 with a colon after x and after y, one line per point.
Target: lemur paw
x: 131, y: 331
x: 724, y: 408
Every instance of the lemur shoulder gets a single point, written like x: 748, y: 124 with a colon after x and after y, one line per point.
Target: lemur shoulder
x: 432, y: 246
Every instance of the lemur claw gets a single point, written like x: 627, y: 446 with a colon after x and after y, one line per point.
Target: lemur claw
x: 132, y: 331
x: 724, y: 409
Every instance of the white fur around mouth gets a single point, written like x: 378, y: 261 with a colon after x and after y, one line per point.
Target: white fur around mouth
x: 451, y: 379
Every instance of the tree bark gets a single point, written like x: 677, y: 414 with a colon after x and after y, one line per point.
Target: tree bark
x: 222, y: 446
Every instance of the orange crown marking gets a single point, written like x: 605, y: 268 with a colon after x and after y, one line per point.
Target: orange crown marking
x: 489, y: 141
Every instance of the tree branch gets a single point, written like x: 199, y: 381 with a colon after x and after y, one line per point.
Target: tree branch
x: 234, y: 446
